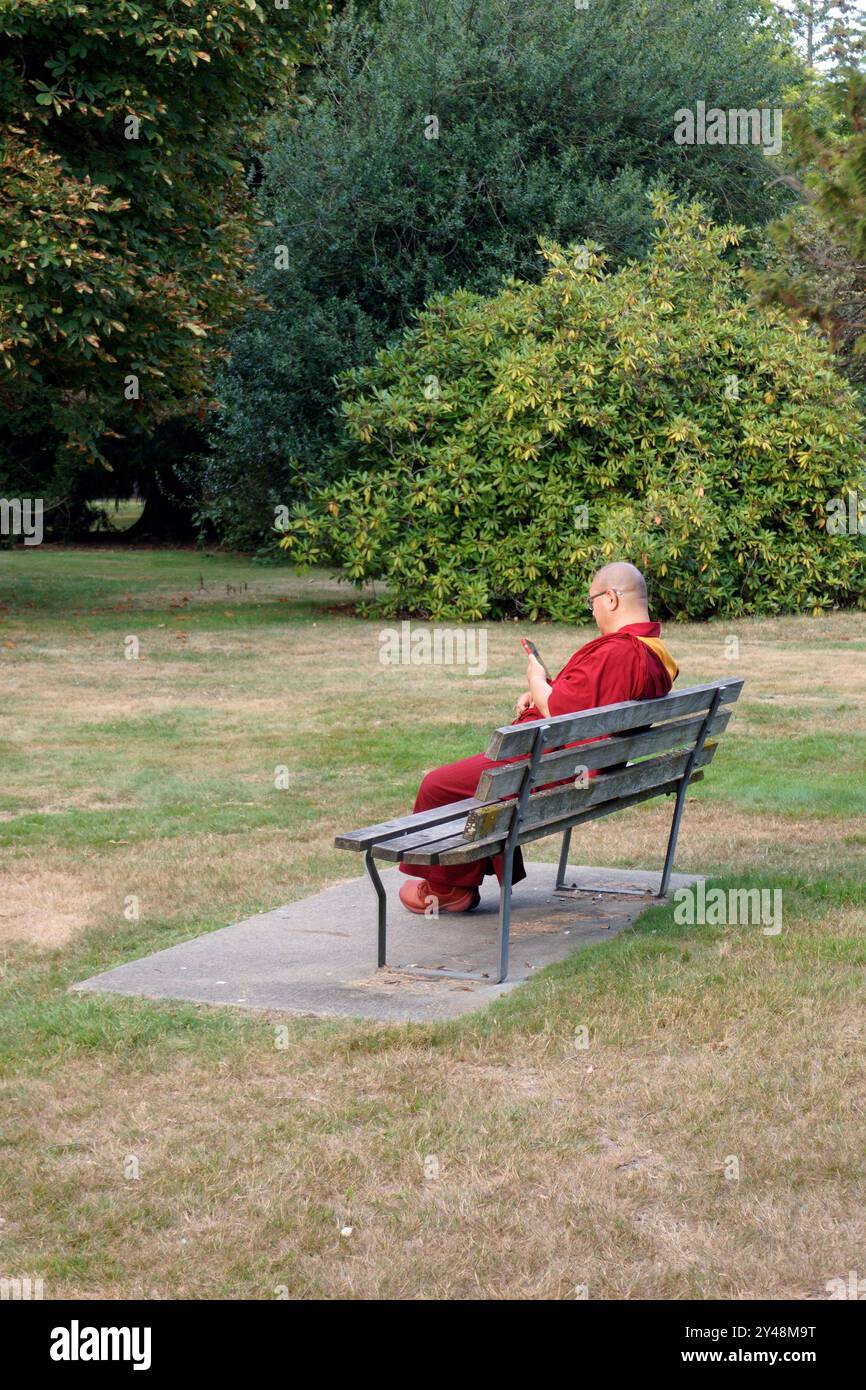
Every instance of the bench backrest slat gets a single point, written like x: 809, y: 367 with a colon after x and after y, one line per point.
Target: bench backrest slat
x: 548, y: 807
x: 515, y: 740
x: 498, y: 782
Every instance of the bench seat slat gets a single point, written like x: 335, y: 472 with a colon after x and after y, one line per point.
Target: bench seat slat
x: 515, y: 740
x: 401, y: 825
x: 420, y: 839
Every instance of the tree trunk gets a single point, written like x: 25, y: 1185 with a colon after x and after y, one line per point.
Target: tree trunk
x: 163, y: 519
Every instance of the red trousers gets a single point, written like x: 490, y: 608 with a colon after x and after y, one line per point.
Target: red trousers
x: 454, y: 782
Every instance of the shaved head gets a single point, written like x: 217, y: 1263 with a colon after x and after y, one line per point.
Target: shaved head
x: 621, y: 575
x: 619, y: 593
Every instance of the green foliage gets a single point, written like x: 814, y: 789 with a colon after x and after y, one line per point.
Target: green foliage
x: 124, y: 221
x: 819, y: 266
x: 552, y: 121
x: 704, y: 437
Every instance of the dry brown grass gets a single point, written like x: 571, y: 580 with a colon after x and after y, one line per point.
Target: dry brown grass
x: 558, y: 1167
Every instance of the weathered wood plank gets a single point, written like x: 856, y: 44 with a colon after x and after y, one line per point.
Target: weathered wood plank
x: 515, y: 740
x: 553, y: 805
x: 545, y: 808
x: 457, y: 850
x: 421, y: 839
x: 499, y: 782
x: 440, y: 835
x: 373, y: 834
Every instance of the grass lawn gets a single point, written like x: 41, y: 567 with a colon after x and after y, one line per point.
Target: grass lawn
x: 153, y: 778
x: 118, y: 514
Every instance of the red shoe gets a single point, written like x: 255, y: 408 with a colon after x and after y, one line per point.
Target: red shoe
x: 417, y: 895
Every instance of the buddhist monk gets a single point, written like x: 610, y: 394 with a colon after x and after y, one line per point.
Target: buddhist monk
x: 627, y: 662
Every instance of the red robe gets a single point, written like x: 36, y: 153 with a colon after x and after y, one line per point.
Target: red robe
x: 603, y: 672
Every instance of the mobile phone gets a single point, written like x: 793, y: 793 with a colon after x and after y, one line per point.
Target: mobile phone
x: 531, y: 650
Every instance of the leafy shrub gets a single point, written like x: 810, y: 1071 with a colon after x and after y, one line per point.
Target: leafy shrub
x: 552, y: 121
x: 509, y: 446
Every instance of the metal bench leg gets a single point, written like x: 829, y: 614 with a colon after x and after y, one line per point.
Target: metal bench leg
x: 512, y: 840
x: 563, y: 859
x: 507, y: 852
x: 681, y: 793
x: 505, y: 913
x: 672, y: 840
x: 370, y: 866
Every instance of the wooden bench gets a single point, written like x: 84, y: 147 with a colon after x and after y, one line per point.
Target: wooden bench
x: 644, y: 748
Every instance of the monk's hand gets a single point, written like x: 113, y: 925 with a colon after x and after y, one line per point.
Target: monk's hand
x: 524, y: 701
x: 534, y: 671
x: 538, y: 686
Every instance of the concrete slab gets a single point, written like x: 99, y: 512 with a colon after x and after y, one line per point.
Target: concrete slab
x: 318, y: 956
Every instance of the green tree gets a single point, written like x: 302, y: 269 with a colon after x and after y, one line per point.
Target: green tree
x: 509, y: 446
x: 818, y: 269
x: 832, y: 33
x: 436, y: 144
x: 846, y: 35
x: 124, y: 217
